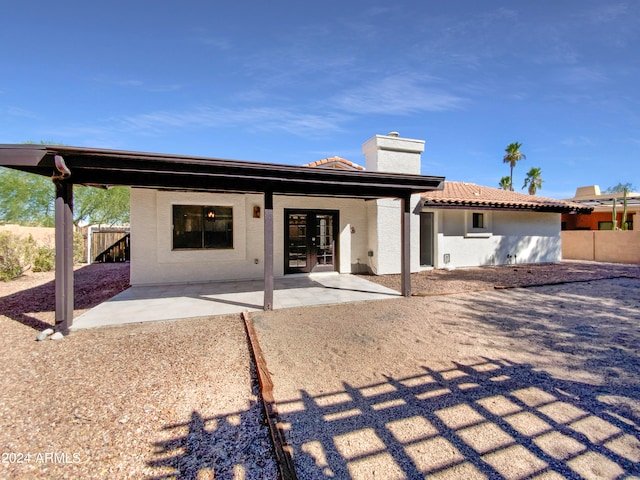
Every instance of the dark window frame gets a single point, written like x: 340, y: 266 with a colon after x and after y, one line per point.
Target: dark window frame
x: 202, y: 227
x: 477, y: 220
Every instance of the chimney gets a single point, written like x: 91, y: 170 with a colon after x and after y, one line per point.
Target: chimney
x: 393, y: 154
x: 590, y: 191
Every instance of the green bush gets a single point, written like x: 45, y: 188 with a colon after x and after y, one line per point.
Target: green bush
x: 44, y: 259
x: 16, y: 255
x: 78, y: 248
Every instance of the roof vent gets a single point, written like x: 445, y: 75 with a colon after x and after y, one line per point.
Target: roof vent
x: 393, y: 134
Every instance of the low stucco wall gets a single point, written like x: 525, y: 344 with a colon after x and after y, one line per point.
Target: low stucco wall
x: 602, y: 245
x: 42, y: 235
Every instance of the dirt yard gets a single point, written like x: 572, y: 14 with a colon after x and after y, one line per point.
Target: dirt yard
x: 542, y: 382
x: 162, y: 400
x: 514, y: 383
x: 446, y: 282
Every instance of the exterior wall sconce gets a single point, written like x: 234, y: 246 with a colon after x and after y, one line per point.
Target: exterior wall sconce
x: 256, y: 211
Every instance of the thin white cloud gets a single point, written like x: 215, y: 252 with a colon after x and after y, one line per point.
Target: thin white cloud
x: 398, y: 95
x: 129, y: 83
x: 135, y: 83
x: 149, y: 88
x: 204, y: 37
x: 164, y: 88
x: 579, y: 141
x: 217, y: 43
x: 19, y: 112
x: 607, y: 13
x: 582, y: 75
x: 265, y: 119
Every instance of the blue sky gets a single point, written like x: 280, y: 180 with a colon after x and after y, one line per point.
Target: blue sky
x: 294, y: 82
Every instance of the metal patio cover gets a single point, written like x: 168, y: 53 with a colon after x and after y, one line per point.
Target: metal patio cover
x: 91, y: 166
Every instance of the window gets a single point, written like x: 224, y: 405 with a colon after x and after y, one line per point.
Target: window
x: 609, y: 225
x: 605, y: 225
x: 477, y: 224
x: 196, y: 226
x: 478, y: 220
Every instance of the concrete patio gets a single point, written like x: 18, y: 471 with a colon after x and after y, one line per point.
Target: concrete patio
x: 167, y: 302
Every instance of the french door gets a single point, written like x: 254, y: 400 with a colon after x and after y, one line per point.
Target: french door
x: 310, y: 240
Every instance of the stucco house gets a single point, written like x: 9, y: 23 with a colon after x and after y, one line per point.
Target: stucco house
x: 468, y: 225
x: 190, y: 236
x: 197, y: 219
x: 602, y: 204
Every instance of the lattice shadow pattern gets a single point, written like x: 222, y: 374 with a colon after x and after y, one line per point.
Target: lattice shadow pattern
x: 490, y: 419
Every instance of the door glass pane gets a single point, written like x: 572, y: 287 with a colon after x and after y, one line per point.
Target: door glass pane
x: 297, y: 240
x: 324, y: 239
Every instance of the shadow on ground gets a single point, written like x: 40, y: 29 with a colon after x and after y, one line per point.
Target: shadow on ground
x: 594, y: 324
x: 95, y: 283
x: 493, y: 419
x: 220, y: 447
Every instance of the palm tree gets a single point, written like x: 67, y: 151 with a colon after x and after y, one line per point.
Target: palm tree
x: 512, y: 156
x: 533, y: 180
x: 505, y: 183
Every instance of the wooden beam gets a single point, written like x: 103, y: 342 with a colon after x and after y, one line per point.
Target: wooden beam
x: 405, y: 269
x: 283, y: 451
x: 64, y: 256
x: 268, y: 250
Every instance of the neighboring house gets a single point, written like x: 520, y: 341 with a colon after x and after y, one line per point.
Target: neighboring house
x: 602, y: 204
x: 467, y: 225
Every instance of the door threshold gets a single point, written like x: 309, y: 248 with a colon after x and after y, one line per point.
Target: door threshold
x: 308, y: 274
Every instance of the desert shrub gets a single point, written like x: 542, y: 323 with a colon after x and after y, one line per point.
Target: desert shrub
x: 44, y: 259
x: 78, y: 248
x: 16, y: 255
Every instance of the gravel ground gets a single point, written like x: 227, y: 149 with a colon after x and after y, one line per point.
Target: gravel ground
x: 161, y: 400
x: 497, y: 384
x: 439, y: 282
x: 542, y: 382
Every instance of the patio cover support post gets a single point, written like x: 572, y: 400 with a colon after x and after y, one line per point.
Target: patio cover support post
x: 268, y: 250
x: 64, y: 256
x: 405, y: 239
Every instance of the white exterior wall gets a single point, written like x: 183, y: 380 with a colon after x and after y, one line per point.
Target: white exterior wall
x: 385, y: 235
x: 392, y: 154
x: 389, y: 153
x: 154, y: 262
x: 352, y: 247
x: 531, y: 236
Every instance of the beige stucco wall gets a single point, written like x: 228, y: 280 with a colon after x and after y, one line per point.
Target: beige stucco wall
x: 42, y: 235
x: 601, y: 245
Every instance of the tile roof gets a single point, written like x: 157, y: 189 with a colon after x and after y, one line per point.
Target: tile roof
x: 335, y: 162
x: 470, y: 195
